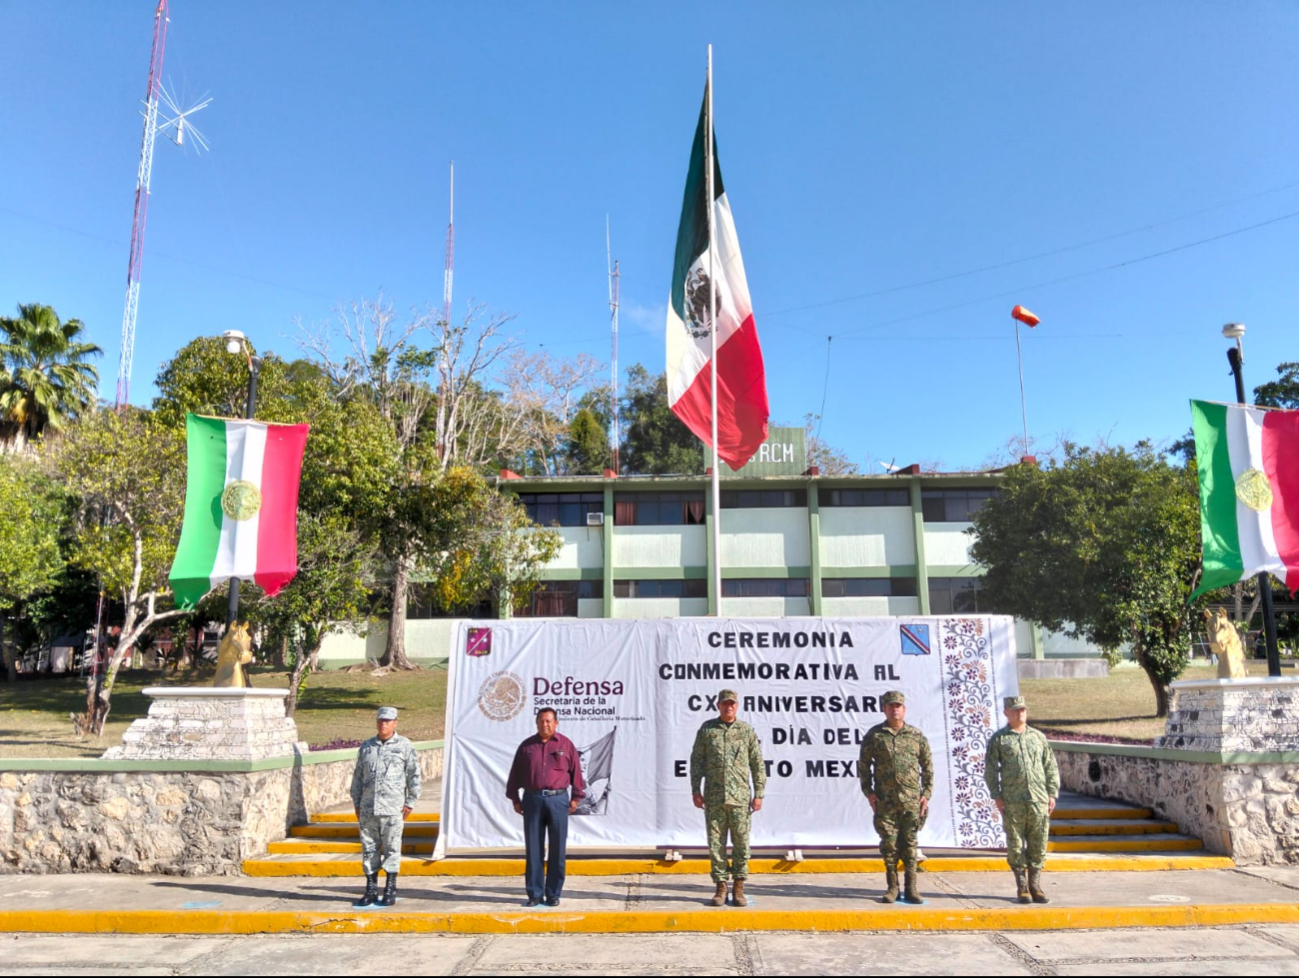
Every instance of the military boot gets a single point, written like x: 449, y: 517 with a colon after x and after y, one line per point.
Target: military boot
x: 719, y: 898
x: 909, y: 893
x: 389, y: 891
x: 371, y: 892
x: 737, y: 894
x: 890, y: 877
x: 1021, y: 885
x: 1035, y: 887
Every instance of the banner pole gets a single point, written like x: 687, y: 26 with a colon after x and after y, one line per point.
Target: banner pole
x: 716, y: 569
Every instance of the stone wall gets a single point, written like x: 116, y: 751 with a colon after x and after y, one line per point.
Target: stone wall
x: 1249, y: 811
x: 1255, y: 714
x: 98, y: 816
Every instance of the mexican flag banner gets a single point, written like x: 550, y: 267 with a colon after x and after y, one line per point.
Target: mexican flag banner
x: 1248, y: 462
x: 241, y: 506
x: 741, y: 380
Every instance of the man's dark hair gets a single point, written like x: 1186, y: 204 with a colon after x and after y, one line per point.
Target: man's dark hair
x: 550, y: 710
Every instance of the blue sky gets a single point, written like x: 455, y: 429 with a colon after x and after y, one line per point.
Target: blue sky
x: 867, y: 147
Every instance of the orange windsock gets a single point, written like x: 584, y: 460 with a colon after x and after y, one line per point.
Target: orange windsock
x: 1024, y: 316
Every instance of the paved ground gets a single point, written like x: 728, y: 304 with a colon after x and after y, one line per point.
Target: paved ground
x: 1270, y: 950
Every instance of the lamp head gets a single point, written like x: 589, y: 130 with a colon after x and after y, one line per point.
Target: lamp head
x: 1233, y: 331
x: 234, y: 340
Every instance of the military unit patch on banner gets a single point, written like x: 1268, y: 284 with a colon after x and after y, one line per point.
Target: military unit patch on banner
x: 479, y: 642
x: 915, y: 639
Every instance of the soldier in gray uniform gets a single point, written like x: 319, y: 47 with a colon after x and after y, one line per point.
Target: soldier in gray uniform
x: 385, y: 786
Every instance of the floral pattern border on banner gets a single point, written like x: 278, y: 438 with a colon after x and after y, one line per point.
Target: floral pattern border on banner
x: 970, y: 700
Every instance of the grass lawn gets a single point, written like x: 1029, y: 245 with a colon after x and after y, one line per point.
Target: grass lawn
x: 1119, y: 707
x: 34, y: 718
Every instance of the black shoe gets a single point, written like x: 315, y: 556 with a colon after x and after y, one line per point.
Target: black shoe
x: 552, y: 901
x: 371, y: 896
x: 389, y: 892
x: 529, y: 902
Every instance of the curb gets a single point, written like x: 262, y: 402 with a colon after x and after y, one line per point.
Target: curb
x: 638, y: 921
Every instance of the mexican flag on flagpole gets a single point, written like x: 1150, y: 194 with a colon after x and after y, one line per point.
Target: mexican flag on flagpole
x: 241, y: 506
x: 1248, y: 464
x: 741, y: 379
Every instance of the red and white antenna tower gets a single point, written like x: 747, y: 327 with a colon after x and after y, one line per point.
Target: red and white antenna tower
x: 616, y: 435
x: 451, y: 251
x: 174, y: 128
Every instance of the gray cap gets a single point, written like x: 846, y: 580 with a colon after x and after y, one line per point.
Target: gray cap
x: 728, y: 694
x: 387, y: 713
x: 893, y: 696
x: 1014, y: 703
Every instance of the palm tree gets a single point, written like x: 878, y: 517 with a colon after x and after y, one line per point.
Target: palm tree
x: 45, y: 378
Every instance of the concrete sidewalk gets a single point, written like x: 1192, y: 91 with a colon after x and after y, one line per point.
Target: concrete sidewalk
x: 643, y: 904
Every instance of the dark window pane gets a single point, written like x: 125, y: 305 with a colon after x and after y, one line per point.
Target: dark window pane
x: 622, y: 589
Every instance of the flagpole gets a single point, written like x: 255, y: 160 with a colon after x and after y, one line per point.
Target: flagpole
x: 1023, y: 409
x: 712, y: 360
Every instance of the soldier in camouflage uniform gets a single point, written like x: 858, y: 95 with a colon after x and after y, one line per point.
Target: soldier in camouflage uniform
x: 896, y: 768
x: 727, y: 753
x: 385, y: 786
x: 1024, y: 781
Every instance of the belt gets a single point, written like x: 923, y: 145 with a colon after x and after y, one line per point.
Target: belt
x: 547, y: 792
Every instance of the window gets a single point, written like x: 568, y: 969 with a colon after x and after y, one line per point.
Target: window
x: 762, y: 498
x: 422, y: 602
x: 954, y: 595
x: 558, y: 599
x: 658, y: 509
x: 693, y: 588
x: 868, y: 587
x: 561, y: 508
x: 765, y: 587
x: 953, y: 505
x: 864, y: 497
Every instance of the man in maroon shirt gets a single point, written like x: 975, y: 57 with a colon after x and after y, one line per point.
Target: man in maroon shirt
x: 545, y: 767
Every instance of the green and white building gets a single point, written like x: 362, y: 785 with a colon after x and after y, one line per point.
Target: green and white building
x: 793, y: 543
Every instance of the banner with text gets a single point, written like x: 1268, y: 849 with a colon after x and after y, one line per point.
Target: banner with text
x: 632, y: 694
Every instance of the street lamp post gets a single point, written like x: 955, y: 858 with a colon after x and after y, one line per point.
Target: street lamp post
x: 1236, y: 357
x: 236, y: 342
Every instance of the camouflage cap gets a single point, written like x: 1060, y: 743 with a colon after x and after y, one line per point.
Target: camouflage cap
x: 728, y: 694
x: 387, y: 713
x: 893, y: 696
x: 1014, y: 703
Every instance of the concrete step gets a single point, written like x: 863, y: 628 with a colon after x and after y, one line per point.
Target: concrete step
x: 1111, y: 826
x: 1154, y: 842
x: 325, y: 847
x: 347, y: 865
x: 348, y: 818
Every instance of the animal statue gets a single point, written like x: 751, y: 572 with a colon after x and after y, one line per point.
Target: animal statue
x: 234, y: 652
x: 1224, y: 640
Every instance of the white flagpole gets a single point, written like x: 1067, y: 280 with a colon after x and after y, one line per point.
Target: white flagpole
x: 712, y: 308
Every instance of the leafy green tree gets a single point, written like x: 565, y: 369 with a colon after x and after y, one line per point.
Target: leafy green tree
x: 331, y: 591
x: 657, y: 442
x: 204, y: 378
x: 45, y: 375
x: 1103, y: 545
x: 31, y: 560
x: 1282, y: 392
x: 126, y: 473
x: 588, y: 444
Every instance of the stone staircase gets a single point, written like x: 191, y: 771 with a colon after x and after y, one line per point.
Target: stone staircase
x: 1087, y: 834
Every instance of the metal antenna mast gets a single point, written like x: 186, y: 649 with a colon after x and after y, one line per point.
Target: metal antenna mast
x: 173, y: 128
x: 451, y: 250
x: 613, y: 310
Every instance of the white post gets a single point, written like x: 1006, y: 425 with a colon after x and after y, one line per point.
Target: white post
x: 712, y: 307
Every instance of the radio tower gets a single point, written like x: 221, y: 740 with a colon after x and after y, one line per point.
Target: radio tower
x: 174, y: 128
x: 613, y: 310
x: 451, y: 250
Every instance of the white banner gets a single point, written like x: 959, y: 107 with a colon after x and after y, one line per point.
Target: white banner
x: 631, y: 695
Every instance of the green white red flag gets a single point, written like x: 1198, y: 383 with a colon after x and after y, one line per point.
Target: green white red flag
x: 241, y: 506
x: 1248, y: 466
x: 742, y: 410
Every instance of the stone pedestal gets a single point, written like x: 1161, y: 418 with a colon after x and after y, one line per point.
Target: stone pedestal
x: 205, y: 723
x: 1233, y: 715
